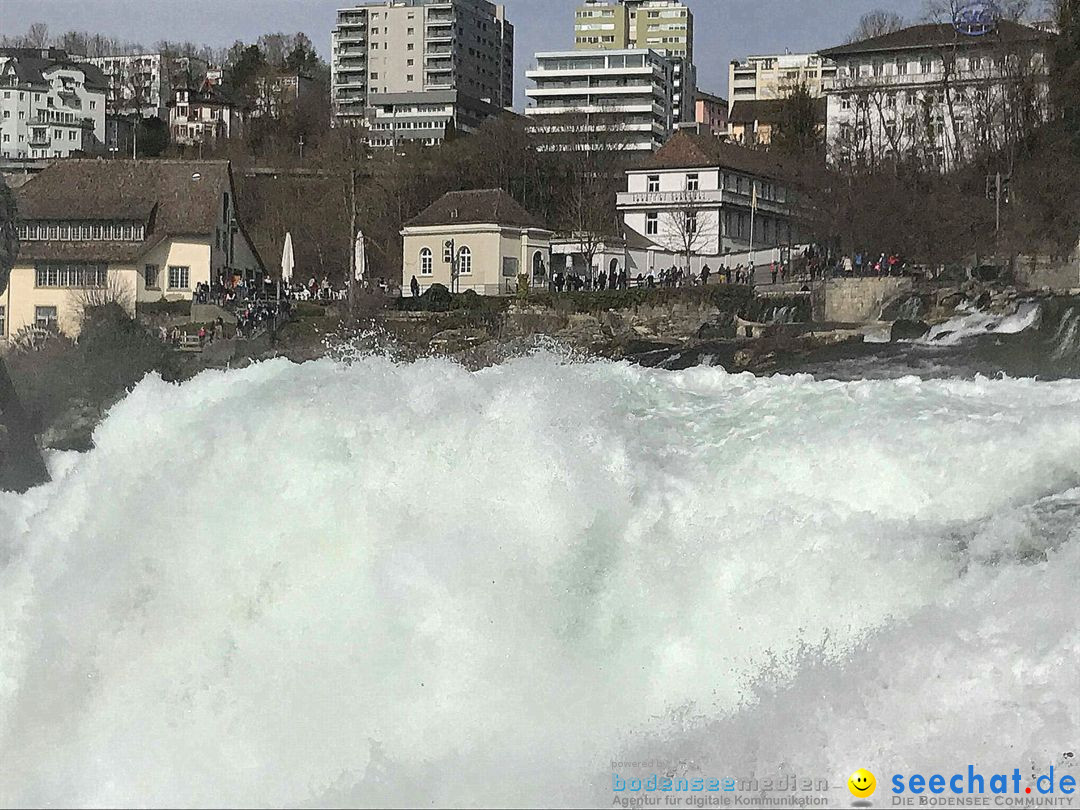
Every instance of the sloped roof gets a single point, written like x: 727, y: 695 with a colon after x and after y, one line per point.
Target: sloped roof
x: 187, y: 193
x: 769, y: 110
x: 935, y: 35
x: 171, y: 197
x: 206, y: 93
x: 30, y: 66
x: 480, y: 207
x: 686, y: 150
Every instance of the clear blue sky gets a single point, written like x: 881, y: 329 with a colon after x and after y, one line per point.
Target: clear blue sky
x: 726, y: 29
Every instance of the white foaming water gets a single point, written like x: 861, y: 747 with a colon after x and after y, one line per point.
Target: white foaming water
x: 386, y: 584
x: 970, y: 322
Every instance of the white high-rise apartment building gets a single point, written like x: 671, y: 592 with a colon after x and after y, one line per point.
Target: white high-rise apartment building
x: 50, y: 105
x: 615, y: 98
x: 143, y: 83
x: 665, y: 26
x: 411, y: 69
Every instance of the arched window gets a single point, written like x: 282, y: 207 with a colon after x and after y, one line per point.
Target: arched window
x: 465, y: 261
x: 539, y: 271
x: 425, y: 261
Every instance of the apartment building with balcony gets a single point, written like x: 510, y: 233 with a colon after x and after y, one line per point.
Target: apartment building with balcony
x: 933, y: 93
x: 412, y: 69
x: 621, y: 99
x: 767, y: 78
x: 142, y: 84
x: 665, y: 26
x: 50, y: 104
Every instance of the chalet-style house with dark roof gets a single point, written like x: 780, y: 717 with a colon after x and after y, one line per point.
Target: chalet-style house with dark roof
x: 202, y: 115
x: 753, y: 123
x: 141, y: 231
x: 936, y: 93
x: 702, y: 193
x: 475, y: 240
x: 51, y: 106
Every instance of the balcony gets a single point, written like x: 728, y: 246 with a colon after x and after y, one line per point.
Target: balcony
x: 668, y: 199
x: 40, y: 141
x: 351, y: 38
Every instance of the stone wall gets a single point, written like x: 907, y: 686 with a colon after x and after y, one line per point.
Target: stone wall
x: 858, y: 300
x: 1047, y: 273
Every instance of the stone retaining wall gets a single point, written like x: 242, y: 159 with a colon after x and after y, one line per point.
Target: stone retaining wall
x: 859, y: 300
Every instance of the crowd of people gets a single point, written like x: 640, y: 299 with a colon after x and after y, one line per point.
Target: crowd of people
x: 864, y: 264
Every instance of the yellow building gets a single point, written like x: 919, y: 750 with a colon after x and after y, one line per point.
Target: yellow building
x: 123, y: 231
x: 475, y: 240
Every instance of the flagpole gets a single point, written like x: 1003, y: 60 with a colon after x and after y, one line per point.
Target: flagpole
x: 753, y: 210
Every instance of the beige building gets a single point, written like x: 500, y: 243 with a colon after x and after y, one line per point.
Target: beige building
x: 475, y: 240
x: 766, y: 78
x: 130, y: 232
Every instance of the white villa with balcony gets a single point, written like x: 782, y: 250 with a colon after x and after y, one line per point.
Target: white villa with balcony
x: 696, y: 195
x: 701, y: 187
x: 933, y: 93
x: 50, y: 105
x: 620, y: 98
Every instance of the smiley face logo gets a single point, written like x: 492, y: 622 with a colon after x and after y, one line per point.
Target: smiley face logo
x: 862, y: 783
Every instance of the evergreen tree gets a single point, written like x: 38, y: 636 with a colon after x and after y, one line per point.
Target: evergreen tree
x: 798, y: 131
x: 21, y: 466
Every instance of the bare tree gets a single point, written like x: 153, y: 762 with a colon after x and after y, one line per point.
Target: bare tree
x: 95, y: 294
x: 37, y: 36
x: 686, y: 230
x: 943, y: 11
x: 591, y: 150
x: 875, y: 24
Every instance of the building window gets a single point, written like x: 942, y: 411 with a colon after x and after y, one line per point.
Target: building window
x: 3, y: 321
x: 653, y: 183
x: 45, y: 317
x: 179, y: 277
x: 70, y: 275
x: 425, y: 262
x: 465, y: 261
x: 845, y: 102
x: 652, y: 224
x: 150, y: 276
x: 693, y: 182
x: 691, y: 223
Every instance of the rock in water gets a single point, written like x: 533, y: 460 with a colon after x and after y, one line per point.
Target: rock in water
x: 21, y: 465
x: 908, y: 330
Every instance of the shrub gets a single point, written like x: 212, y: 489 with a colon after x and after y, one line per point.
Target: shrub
x: 181, y: 307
